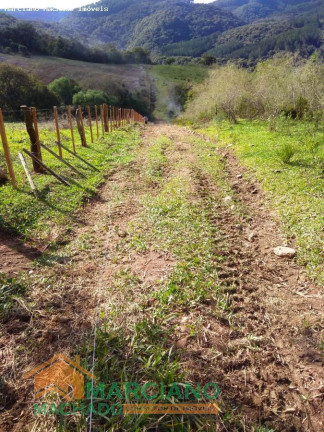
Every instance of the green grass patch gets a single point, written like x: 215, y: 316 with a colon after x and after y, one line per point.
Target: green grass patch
x: 9, y: 290
x: 294, y: 183
x: 156, y: 159
x: 34, y: 218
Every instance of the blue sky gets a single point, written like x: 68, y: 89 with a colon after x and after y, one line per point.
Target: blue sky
x: 59, y: 4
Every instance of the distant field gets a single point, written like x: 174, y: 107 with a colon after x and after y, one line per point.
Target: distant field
x: 92, y: 75
x: 111, y: 78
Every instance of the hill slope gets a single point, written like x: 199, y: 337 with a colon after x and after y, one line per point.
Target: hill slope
x: 252, y: 10
x: 148, y: 23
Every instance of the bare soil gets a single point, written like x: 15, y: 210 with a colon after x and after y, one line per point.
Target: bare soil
x: 268, y: 362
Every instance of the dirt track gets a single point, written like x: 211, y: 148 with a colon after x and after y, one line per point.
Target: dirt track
x: 269, y: 363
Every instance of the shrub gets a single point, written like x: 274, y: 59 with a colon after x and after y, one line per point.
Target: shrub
x: 286, y: 152
x: 64, y: 89
x: 19, y: 88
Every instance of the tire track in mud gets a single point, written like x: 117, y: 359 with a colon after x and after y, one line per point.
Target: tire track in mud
x: 272, y: 365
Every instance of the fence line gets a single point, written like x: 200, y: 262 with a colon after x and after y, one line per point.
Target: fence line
x: 111, y: 118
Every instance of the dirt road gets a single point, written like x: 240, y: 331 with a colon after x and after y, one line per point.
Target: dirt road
x: 179, y: 242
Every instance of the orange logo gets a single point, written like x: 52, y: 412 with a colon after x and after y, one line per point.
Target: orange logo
x: 60, y: 375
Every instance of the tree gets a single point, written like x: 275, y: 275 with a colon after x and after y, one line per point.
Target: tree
x: 64, y: 89
x: 91, y: 97
x: 18, y: 88
x: 207, y: 60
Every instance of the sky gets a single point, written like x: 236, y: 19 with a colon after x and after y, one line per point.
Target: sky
x: 59, y: 4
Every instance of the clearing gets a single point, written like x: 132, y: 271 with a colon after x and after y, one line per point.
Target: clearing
x: 183, y: 285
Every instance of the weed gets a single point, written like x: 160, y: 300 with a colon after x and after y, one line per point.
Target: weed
x: 286, y: 152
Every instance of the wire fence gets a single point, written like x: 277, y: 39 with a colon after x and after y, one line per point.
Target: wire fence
x: 84, y: 125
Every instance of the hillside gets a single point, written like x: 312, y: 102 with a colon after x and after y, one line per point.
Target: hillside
x: 150, y: 24
x: 253, y: 10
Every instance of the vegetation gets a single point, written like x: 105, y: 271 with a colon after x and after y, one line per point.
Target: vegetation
x: 35, y: 219
x: 24, y: 38
x: 289, y: 163
x: 172, y: 85
x: 253, y: 10
x: 91, y: 97
x: 64, y: 89
x: 280, y: 139
x: 150, y: 24
x: 273, y: 87
x: 18, y: 88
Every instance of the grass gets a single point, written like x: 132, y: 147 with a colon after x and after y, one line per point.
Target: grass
x: 134, y: 345
x: 10, y: 290
x: 294, y: 182
x: 40, y: 219
x: 165, y: 77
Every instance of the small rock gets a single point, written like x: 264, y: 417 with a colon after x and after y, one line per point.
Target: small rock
x: 122, y: 233
x: 233, y: 207
x: 284, y: 252
x: 227, y: 199
x: 230, y: 145
x: 255, y: 191
x: 251, y: 236
x: 182, y: 343
x: 239, y: 176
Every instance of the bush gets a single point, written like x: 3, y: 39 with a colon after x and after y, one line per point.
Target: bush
x: 64, y: 89
x: 274, y: 87
x: 19, y: 88
x: 286, y: 152
x: 91, y: 97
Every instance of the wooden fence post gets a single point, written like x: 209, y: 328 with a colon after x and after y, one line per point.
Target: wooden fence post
x: 81, y: 127
x: 97, y: 125
x: 58, y: 135
x: 105, y: 117
x: 7, y: 152
x: 71, y: 128
x: 39, y: 150
x: 90, y: 122
x: 34, y: 139
x: 102, y: 120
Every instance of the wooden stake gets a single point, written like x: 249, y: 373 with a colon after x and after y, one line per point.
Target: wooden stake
x: 63, y: 160
x: 7, y: 152
x: 58, y: 135
x: 90, y: 123
x: 81, y: 127
x: 29, y: 177
x: 61, y: 179
x: 105, y: 110
x: 80, y: 158
x: 34, y: 139
x: 39, y: 151
x: 71, y: 127
x: 102, y: 120
x: 97, y: 124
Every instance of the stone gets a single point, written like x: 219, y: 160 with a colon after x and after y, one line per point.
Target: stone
x: 227, y: 199
x: 284, y: 252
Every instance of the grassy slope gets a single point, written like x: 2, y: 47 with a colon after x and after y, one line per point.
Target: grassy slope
x: 50, y: 68
x: 295, y: 189
x: 44, y: 218
x: 165, y: 77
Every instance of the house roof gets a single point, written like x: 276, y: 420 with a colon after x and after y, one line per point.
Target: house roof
x: 58, y: 357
